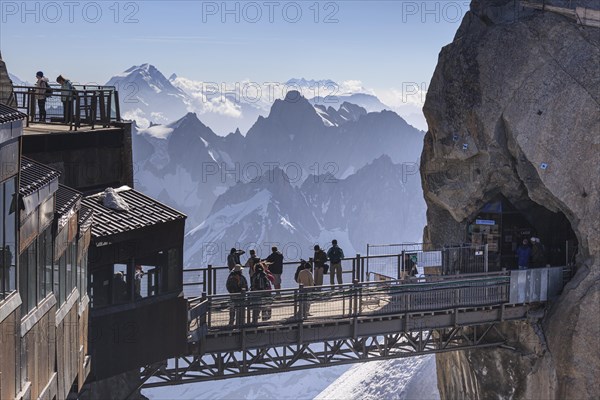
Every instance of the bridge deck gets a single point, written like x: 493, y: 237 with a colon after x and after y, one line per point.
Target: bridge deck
x: 310, y: 328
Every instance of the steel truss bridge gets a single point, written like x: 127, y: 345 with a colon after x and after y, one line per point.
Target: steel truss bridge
x: 293, y: 329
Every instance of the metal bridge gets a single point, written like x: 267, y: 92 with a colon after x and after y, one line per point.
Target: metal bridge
x: 293, y: 329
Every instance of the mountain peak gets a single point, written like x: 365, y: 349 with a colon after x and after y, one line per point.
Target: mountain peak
x: 173, y: 77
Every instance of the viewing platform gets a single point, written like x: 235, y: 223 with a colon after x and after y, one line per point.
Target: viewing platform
x: 375, y: 317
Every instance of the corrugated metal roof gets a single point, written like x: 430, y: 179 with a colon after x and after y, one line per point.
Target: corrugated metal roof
x: 66, y: 198
x: 85, y: 213
x: 9, y: 114
x: 34, y: 176
x: 143, y: 212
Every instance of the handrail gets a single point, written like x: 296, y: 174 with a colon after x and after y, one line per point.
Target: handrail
x: 90, y: 105
x: 290, y: 306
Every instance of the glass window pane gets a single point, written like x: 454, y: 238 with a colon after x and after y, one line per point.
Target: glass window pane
x: 8, y: 236
x: 48, y: 260
x: 32, y: 279
x: 23, y: 282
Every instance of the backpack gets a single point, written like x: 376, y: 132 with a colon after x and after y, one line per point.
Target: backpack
x: 260, y: 281
x: 234, y: 283
x: 48, y: 91
x: 336, y: 255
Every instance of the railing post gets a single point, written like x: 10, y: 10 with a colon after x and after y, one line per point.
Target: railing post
x: 355, y: 268
x: 31, y: 105
x: 242, y: 311
x: 368, y: 253
x: 362, y: 268
x: 302, y: 302
x: 106, y: 122
x: 355, y: 289
x: 485, y: 258
x: 296, y: 308
x: 210, y: 283
x: 117, y: 107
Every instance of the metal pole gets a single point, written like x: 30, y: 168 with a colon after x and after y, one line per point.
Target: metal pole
x: 210, y: 283
x: 485, y: 258
x: 368, y: 253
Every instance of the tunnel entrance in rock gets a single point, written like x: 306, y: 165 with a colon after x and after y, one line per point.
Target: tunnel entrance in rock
x: 503, y: 225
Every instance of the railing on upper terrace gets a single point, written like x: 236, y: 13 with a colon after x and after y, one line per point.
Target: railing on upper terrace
x: 92, y: 105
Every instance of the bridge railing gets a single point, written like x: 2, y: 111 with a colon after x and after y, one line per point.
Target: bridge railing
x: 290, y: 306
x: 92, y: 105
x: 450, y: 260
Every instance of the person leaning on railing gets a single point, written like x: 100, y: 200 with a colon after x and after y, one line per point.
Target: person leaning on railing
x: 66, y: 98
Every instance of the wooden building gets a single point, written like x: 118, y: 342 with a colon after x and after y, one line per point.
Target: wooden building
x: 43, y: 300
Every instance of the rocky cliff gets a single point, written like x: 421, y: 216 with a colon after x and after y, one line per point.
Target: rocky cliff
x: 513, y: 109
x: 6, y: 87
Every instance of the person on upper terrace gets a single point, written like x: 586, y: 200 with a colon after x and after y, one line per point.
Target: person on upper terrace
x: 66, y: 97
x: 43, y: 91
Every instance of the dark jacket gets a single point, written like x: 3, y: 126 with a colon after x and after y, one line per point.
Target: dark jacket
x: 523, y: 255
x: 335, y: 254
x: 277, y: 259
x: 320, y: 258
x: 234, y: 258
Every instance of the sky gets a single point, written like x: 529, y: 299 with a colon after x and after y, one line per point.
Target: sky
x: 384, y: 44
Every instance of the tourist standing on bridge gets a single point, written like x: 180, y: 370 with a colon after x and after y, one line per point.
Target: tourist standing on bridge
x: 335, y: 255
x: 319, y: 258
x: 67, y: 98
x: 251, y: 263
x: 276, y: 268
x: 523, y: 255
x: 236, y: 284
x: 306, y: 282
x: 233, y: 258
x: 260, y: 301
x: 43, y: 89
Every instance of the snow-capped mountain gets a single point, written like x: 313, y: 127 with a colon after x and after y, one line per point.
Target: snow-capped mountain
x: 380, y: 202
x: 367, y: 101
x: 347, y: 112
x: 187, y: 165
x: 16, y: 81
x: 147, y: 96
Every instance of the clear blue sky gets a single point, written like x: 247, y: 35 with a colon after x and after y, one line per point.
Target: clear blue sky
x: 382, y: 43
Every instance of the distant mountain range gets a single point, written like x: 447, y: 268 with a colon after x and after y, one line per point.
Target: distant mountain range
x: 302, y: 175
x: 147, y: 96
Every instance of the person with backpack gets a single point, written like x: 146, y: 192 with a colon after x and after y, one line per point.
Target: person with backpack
x: 261, y: 284
x: 43, y: 91
x: 233, y: 258
x: 236, y: 284
x: 252, y: 261
x: 67, y: 98
x: 319, y: 258
x: 335, y: 255
x: 276, y: 260
x: 306, y: 282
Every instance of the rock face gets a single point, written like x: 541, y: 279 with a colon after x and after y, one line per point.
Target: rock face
x: 6, y: 88
x: 513, y: 109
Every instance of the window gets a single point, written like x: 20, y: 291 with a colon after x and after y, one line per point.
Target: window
x: 8, y: 241
x: 45, y: 263
x: 28, y: 278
